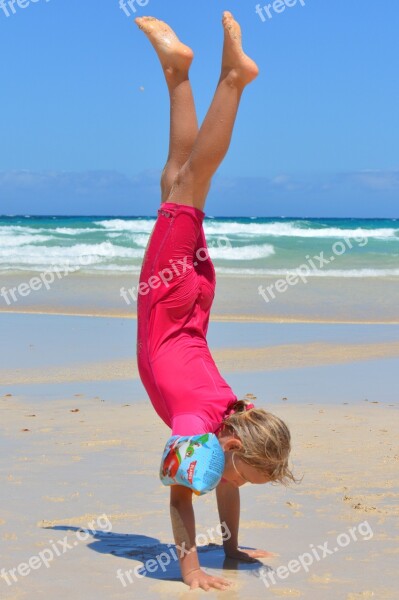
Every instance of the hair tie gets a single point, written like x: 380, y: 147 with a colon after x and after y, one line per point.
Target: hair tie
x: 232, y: 411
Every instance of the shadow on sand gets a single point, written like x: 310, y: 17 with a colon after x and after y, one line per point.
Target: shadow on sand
x: 164, y: 563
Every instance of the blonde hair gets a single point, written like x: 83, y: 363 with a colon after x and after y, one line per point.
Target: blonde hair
x: 266, y: 440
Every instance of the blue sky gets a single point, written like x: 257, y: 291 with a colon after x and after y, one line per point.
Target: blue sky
x: 317, y: 133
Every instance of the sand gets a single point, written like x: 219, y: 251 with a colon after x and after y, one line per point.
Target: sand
x: 319, y: 300
x: 230, y: 360
x: 81, y: 444
x: 80, y: 460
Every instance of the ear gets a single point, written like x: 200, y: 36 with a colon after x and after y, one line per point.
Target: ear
x: 232, y: 443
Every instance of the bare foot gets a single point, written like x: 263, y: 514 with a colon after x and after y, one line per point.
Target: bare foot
x: 235, y: 62
x: 175, y: 57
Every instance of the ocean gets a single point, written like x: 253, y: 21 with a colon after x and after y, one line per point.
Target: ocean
x: 240, y: 246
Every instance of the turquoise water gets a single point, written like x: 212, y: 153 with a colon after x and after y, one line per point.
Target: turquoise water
x: 240, y: 246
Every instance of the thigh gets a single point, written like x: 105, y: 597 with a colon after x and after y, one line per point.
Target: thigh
x: 181, y: 238
x: 168, y: 275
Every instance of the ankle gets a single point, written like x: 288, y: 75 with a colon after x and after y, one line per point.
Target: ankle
x: 174, y: 76
x: 234, y: 77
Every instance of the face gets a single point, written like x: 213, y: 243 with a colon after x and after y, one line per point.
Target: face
x: 236, y: 471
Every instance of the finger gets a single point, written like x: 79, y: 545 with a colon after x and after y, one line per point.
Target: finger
x: 223, y: 581
x: 220, y: 586
x: 247, y: 557
x: 206, y: 587
x: 220, y: 581
x: 267, y: 552
x: 257, y: 553
x: 194, y: 585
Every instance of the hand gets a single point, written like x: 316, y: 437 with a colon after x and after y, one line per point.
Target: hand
x: 199, y: 579
x: 248, y: 555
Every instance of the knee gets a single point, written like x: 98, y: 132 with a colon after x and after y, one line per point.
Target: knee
x: 190, y: 183
x: 167, y: 178
x: 184, y: 175
x: 189, y: 174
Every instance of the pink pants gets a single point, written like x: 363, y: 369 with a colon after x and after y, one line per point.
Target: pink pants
x: 176, y: 291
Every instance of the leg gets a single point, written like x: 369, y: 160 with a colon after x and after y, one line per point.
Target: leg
x: 176, y: 59
x: 193, y: 180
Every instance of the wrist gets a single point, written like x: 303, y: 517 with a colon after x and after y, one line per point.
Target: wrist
x: 189, y: 563
x: 229, y: 545
x: 185, y: 575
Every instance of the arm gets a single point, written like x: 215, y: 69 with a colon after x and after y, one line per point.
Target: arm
x: 183, y: 525
x: 228, y: 499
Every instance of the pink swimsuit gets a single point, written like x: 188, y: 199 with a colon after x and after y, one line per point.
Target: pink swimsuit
x: 177, y: 286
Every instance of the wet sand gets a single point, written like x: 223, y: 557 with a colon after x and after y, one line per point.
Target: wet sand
x: 319, y: 300
x: 81, y: 444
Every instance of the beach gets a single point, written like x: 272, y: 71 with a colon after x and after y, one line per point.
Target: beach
x: 268, y: 269
x: 276, y: 131
x: 81, y: 446
x: 83, y: 511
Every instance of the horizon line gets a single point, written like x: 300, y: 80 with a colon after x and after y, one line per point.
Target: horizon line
x: 206, y: 216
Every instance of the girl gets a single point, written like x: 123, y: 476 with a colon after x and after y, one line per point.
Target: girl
x: 177, y: 286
